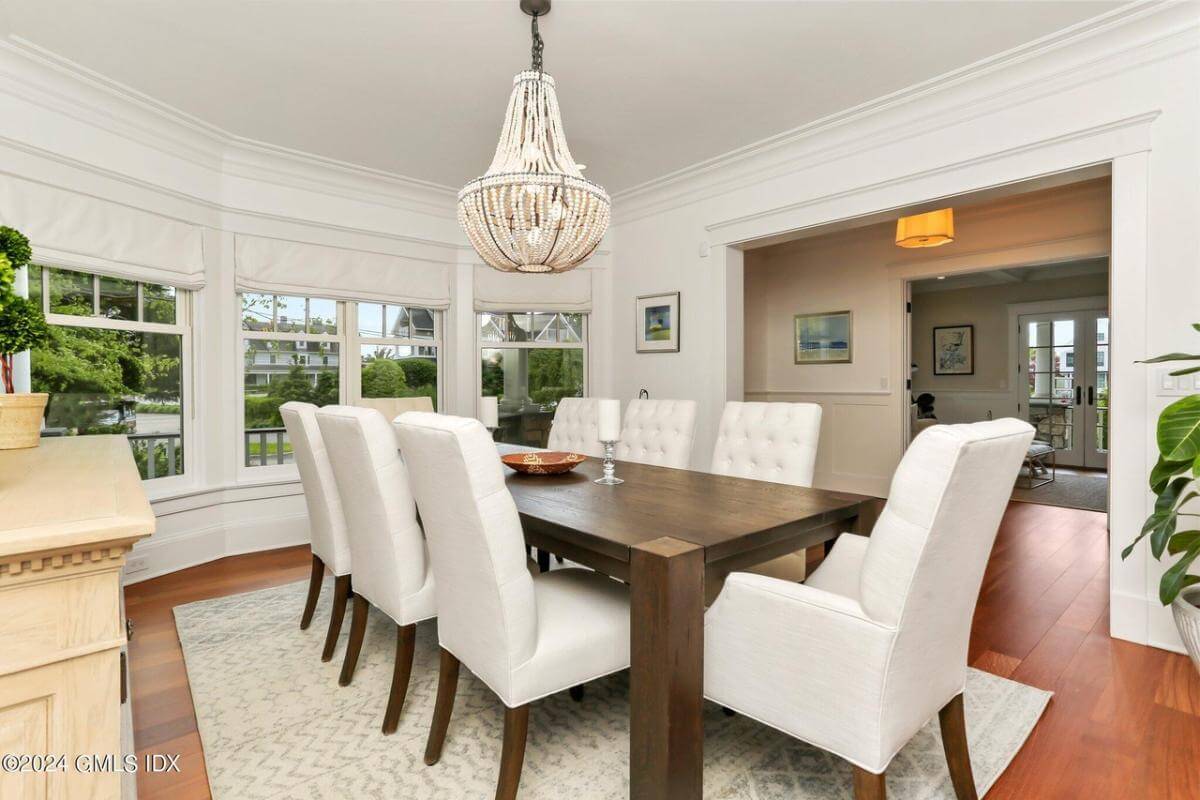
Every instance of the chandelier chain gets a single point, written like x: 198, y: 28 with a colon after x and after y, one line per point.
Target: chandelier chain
x: 538, y: 46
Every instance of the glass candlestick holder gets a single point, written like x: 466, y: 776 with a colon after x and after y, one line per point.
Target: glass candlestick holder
x: 610, y: 467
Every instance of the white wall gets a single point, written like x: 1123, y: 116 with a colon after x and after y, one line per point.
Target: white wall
x: 71, y: 129
x: 1124, y: 89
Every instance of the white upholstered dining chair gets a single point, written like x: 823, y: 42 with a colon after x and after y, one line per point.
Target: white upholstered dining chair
x: 524, y: 636
x: 859, y: 658
x: 326, y: 523
x: 775, y: 442
x: 386, y: 543
x: 658, y: 432
x: 573, y: 429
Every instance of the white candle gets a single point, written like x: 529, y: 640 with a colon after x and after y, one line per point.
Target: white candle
x: 489, y: 412
x: 608, y: 420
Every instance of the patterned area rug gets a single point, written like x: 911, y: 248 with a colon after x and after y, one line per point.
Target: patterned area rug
x: 276, y: 725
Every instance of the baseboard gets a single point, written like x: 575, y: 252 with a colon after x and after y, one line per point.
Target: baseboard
x: 161, y: 556
x: 1143, y: 620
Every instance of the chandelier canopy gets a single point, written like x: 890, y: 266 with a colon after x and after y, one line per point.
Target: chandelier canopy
x: 533, y: 211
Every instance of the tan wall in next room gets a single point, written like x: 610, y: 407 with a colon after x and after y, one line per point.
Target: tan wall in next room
x: 985, y: 307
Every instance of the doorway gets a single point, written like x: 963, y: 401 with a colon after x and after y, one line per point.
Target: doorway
x: 1064, y: 386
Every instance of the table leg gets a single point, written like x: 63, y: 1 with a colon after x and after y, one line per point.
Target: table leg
x: 666, y: 731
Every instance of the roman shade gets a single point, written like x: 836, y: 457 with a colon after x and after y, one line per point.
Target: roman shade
x: 514, y: 291
x: 73, y: 229
x: 280, y: 266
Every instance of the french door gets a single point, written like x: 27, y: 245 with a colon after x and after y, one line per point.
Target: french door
x: 1065, y: 386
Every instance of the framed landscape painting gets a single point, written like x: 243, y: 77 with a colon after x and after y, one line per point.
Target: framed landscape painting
x: 823, y: 338
x: 656, y: 317
x: 954, y: 350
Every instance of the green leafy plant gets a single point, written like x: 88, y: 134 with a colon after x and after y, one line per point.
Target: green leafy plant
x: 22, y: 326
x: 15, y: 253
x: 1174, y: 481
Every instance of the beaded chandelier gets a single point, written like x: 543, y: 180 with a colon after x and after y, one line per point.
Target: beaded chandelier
x: 533, y: 211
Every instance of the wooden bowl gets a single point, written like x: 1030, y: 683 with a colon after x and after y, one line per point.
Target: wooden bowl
x: 543, y: 462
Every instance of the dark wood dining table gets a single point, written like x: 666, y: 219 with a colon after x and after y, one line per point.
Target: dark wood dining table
x: 666, y: 532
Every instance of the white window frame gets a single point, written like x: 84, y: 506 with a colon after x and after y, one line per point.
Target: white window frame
x: 584, y: 344
x: 349, y: 379
x: 184, y: 307
x: 356, y: 342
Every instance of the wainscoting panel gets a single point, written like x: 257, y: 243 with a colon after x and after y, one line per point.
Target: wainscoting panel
x: 860, y: 438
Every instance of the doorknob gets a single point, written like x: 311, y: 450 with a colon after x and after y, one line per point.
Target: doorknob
x: 1078, y: 395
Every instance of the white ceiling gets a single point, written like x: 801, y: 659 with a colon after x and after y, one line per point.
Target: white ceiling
x: 419, y: 88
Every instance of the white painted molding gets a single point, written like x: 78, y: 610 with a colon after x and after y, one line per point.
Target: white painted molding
x: 54, y: 82
x: 1120, y: 40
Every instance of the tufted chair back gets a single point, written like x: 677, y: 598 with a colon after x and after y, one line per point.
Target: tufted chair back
x: 574, y: 427
x: 487, y: 612
x: 774, y: 442
x: 658, y: 432
x: 326, y: 523
x: 392, y: 407
x: 386, y: 543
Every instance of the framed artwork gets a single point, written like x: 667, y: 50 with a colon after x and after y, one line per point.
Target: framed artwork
x: 954, y: 350
x: 656, y: 321
x: 823, y: 338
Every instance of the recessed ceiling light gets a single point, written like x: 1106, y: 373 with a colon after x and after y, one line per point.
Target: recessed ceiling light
x: 941, y: 277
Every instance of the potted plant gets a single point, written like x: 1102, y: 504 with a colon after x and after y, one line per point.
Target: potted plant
x: 1174, y: 480
x: 22, y: 326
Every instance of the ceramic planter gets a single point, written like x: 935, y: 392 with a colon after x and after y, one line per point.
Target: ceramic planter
x: 1187, y: 619
x: 21, y: 419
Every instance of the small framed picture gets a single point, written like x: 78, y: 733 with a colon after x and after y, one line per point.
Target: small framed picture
x: 954, y: 350
x: 824, y: 338
x: 656, y: 321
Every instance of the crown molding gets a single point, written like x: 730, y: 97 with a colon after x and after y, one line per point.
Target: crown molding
x: 1148, y: 32
x: 47, y: 80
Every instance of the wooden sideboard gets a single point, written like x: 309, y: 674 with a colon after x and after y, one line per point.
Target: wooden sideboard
x: 70, y: 510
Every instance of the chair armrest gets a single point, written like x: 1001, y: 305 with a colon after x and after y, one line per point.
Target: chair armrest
x: 842, y: 568
x: 804, y: 660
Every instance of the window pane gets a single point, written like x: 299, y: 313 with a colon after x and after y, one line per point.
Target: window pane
x: 422, y: 322
x: 538, y: 326
x: 322, y: 316
x: 71, y: 293
x: 399, y: 371
x: 257, y: 310
x: 158, y: 303
x: 107, y: 381
x: 118, y: 298
x: 370, y: 319
x: 35, y: 284
x: 398, y: 322
x: 529, y: 383
x: 273, y: 374
x: 289, y: 314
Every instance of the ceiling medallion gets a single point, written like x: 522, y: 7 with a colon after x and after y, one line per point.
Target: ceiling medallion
x: 533, y: 211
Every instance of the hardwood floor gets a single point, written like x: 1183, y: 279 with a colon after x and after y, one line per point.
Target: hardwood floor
x: 1124, y: 721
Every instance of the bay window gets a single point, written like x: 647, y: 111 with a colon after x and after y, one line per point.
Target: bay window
x: 293, y: 349
x: 116, y: 361
x: 530, y: 360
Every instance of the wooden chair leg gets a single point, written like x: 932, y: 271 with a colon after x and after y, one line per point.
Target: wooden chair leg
x: 447, y: 688
x: 543, y: 559
x: 512, y: 757
x: 314, y: 591
x: 954, y: 742
x: 358, y: 628
x: 406, y: 646
x: 341, y: 591
x: 869, y: 786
